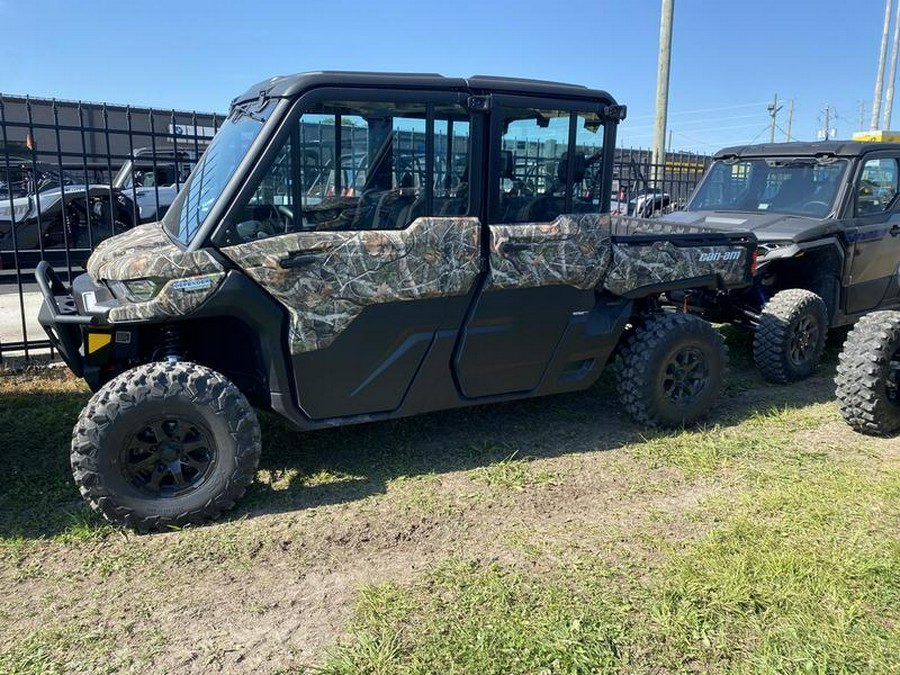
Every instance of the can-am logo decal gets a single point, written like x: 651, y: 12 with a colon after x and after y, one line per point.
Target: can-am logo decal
x: 716, y: 256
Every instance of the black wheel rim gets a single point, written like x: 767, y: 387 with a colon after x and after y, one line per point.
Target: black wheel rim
x: 685, y: 376
x: 168, y: 457
x: 804, y: 339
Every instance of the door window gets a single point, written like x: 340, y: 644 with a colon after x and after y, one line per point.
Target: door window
x: 362, y: 165
x: 877, y: 186
x: 532, y: 156
x: 537, y: 178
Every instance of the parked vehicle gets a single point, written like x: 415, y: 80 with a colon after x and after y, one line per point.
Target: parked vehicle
x: 868, y: 377
x: 42, y: 206
x: 152, y: 179
x: 648, y: 204
x: 408, y: 296
x: 827, y: 216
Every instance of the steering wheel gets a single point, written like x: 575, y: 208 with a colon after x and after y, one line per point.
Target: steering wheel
x: 812, y: 205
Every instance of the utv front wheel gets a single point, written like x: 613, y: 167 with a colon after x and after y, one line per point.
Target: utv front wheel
x: 868, y: 377
x: 672, y: 370
x: 165, y: 444
x: 791, y: 336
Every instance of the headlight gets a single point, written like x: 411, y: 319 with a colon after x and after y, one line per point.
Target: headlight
x: 772, y: 248
x: 135, y: 290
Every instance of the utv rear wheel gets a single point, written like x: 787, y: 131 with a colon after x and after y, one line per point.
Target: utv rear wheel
x: 868, y: 377
x: 673, y: 367
x: 165, y: 444
x: 791, y: 336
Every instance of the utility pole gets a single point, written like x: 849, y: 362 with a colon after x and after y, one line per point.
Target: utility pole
x: 889, y: 97
x: 862, y: 115
x: 827, y: 121
x: 790, y: 120
x: 879, y: 78
x: 669, y: 145
x: 773, y: 111
x: 662, y: 90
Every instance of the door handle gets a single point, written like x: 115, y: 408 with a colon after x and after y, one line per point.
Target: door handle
x: 895, y: 230
x: 299, y: 259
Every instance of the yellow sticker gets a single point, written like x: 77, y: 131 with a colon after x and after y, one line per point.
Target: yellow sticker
x: 97, y: 341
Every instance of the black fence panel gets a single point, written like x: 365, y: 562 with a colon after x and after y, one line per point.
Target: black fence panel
x: 644, y: 188
x: 74, y: 173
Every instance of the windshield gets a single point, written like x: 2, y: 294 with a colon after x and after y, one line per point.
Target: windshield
x: 213, y: 171
x: 803, y: 187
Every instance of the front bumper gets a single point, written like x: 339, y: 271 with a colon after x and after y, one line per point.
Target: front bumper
x: 60, y: 319
x: 76, y: 319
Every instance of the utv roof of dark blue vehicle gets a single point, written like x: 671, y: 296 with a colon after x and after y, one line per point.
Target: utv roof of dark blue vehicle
x: 292, y: 85
x: 805, y: 149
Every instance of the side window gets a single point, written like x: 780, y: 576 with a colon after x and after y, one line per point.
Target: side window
x: 532, y: 159
x: 538, y: 180
x: 270, y: 209
x: 877, y: 187
x: 362, y: 165
x: 587, y: 178
x: 451, y: 167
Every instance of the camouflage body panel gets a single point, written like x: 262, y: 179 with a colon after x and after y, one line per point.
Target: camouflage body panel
x: 573, y: 250
x: 433, y: 257
x: 144, y: 252
x: 639, y: 264
x: 177, y: 298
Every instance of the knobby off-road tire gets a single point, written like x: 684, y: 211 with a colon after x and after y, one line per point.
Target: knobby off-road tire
x: 791, y: 335
x: 672, y: 370
x: 868, y: 375
x: 165, y: 444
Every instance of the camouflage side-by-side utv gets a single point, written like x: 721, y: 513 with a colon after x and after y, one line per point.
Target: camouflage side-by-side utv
x: 827, y: 216
x: 463, y: 262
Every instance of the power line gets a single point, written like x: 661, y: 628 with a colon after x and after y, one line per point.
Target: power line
x: 702, y: 110
x: 712, y: 131
x: 706, y: 120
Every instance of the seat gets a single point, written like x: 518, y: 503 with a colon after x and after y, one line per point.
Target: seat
x: 792, y: 192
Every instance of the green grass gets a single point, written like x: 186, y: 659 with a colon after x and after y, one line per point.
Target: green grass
x: 466, y: 617
x: 557, y: 538
x: 73, y: 647
x: 798, y: 572
x: 802, y: 576
x: 512, y: 473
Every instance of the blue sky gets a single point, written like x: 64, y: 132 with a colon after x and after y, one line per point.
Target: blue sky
x: 729, y: 57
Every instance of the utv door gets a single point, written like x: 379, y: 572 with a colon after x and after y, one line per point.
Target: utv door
x: 875, y: 236
x: 548, y: 248
x: 369, y: 272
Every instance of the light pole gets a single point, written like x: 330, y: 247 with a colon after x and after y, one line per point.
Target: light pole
x: 662, y: 91
x: 879, y: 78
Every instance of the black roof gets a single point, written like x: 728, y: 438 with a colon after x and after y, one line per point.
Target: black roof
x: 800, y: 149
x: 293, y: 85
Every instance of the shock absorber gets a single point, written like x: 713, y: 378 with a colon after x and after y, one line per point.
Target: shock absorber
x: 171, y: 347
